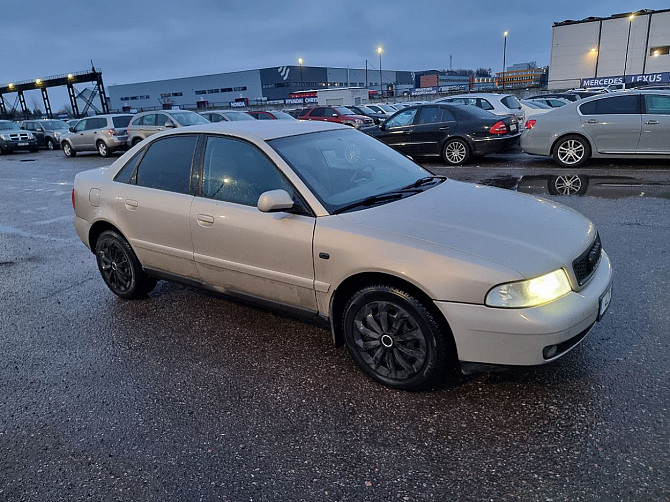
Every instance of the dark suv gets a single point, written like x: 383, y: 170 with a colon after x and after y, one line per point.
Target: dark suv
x: 13, y: 138
x: 49, y: 133
x: 338, y: 114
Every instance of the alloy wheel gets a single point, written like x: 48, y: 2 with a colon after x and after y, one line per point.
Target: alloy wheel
x: 568, y: 185
x: 455, y: 152
x: 571, y: 151
x: 389, y: 340
x: 115, y: 266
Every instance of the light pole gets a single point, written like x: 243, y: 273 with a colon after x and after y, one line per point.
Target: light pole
x: 504, y: 59
x: 300, y: 63
x: 381, y: 89
x: 625, y: 62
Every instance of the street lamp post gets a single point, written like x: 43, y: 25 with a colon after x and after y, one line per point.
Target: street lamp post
x: 300, y: 63
x: 381, y: 89
x: 504, y: 59
x: 625, y: 62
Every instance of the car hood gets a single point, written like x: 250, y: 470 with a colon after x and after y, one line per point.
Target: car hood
x: 531, y: 235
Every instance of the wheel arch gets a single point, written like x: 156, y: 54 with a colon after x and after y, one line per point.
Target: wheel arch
x: 350, y: 285
x: 99, y: 227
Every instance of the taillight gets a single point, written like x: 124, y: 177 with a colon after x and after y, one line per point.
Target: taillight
x: 530, y: 123
x: 498, y: 128
x: 111, y: 132
x: 73, y: 198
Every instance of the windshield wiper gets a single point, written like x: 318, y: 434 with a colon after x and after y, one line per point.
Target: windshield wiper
x: 424, y: 181
x: 374, y: 199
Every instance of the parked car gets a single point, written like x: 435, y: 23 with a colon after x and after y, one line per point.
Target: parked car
x: 336, y: 114
x: 226, y: 115
x: 531, y: 107
x: 562, y: 95
x: 383, y: 108
x: 49, y: 133
x: 456, y: 133
x: 13, y: 138
x: 499, y: 104
x: 376, y: 117
x: 549, y: 101
x: 270, y: 115
x: 104, y: 133
x: 412, y: 270
x: 614, y: 125
x: 145, y: 124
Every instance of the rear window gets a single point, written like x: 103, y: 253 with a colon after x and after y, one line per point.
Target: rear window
x: 511, y: 102
x: 122, y: 121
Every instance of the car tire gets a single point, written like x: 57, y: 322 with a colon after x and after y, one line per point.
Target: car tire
x: 50, y: 144
x: 456, y: 152
x: 68, y: 150
x: 568, y: 184
x: 120, y: 268
x: 572, y: 151
x: 103, y: 149
x: 136, y: 141
x: 394, y: 338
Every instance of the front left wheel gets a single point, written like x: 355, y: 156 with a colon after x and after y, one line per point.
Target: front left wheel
x: 120, y: 268
x: 394, y: 338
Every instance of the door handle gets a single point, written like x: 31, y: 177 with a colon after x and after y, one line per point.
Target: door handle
x: 407, y: 132
x: 205, y: 220
x: 444, y: 128
x: 592, y: 121
x: 131, y: 204
x: 651, y: 122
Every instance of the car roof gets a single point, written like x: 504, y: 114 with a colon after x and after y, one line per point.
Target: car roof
x: 264, y: 129
x: 478, y: 95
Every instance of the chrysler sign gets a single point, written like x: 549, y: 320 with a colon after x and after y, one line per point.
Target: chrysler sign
x: 649, y: 78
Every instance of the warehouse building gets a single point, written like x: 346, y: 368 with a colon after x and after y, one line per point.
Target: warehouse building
x: 629, y: 47
x: 267, y: 85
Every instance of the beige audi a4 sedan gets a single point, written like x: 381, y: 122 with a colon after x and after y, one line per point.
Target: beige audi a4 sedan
x: 414, y: 272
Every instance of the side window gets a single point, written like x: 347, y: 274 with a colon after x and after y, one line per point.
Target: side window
x: 403, y: 118
x: 125, y: 175
x: 430, y: 115
x: 29, y: 126
x: 167, y: 164
x: 317, y: 112
x: 81, y: 125
x: 214, y: 118
x: 96, y: 123
x: 161, y: 119
x: 263, y: 116
x: 657, y: 104
x: 616, y: 105
x: 303, y: 112
x: 485, y: 104
x: 236, y: 171
x: 447, y: 116
x: 148, y: 119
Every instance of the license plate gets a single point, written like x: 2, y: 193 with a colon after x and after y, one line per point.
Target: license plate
x: 605, y: 300
x: 512, y: 127
x: 23, y: 144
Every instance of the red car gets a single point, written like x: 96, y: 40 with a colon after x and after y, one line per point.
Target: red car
x: 338, y: 114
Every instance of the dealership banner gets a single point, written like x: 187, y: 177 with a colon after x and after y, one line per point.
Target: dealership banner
x: 422, y: 91
x: 649, y: 78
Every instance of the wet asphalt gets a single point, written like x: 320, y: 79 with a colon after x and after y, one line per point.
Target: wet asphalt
x: 189, y: 396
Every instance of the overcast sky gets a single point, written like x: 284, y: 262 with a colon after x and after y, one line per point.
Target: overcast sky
x: 151, y: 40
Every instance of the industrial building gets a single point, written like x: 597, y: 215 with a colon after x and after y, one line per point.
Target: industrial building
x: 271, y: 86
x: 623, y: 48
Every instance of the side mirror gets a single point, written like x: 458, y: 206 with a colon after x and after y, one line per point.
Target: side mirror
x: 274, y: 201
x: 169, y: 123
x: 71, y: 129
x: 382, y: 126
x: 334, y: 115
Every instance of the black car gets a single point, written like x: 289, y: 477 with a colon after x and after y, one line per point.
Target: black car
x: 13, y: 138
x: 368, y: 112
x: 49, y: 133
x: 454, y: 132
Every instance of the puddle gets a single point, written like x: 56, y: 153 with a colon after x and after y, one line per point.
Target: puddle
x: 566, y: 184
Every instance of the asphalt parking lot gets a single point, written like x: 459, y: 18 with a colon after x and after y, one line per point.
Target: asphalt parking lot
x: 189, y: 396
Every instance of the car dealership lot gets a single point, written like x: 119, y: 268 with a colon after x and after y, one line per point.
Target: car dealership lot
x: 187, y: 396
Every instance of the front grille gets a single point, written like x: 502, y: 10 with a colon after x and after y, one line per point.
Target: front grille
x: 19, y: 136
x: 586, y: 264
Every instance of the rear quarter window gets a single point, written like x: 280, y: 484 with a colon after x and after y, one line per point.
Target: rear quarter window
x: 511, y: 102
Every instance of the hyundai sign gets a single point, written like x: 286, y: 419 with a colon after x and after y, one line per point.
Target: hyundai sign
x: 649, y: 78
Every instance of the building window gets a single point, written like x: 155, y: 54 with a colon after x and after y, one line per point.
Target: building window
x: 227, y: 89
x: 243, y: 88
x: 662, y: 50
x: 202, y: 91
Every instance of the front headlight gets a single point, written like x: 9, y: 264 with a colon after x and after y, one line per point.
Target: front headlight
x: 30, y: 135
x: 531, y: 292
x: 4, y: 137
x: 58, y: 135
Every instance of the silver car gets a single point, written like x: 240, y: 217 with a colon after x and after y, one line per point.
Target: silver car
x: 145, y: 124
x: 412, y: 271
x: 615, y: 125
x: 226, y: 115
x: 102, y: 133
x: 498, y: 104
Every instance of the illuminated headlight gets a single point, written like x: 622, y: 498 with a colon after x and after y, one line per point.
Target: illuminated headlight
x: 530, y: 293
x: 359, y: 121
x: 4, y: 137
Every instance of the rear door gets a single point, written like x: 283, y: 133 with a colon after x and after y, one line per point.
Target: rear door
x: 613, y: 123
x: 655, y: 137
x: 94, y: 128
x: 431, y: 126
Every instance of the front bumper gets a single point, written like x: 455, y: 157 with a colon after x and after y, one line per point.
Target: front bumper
x: 12, y: 146
x: 518, y: 337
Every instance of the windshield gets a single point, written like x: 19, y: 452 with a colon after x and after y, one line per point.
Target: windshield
x: 54, y: 125
x: 189, y: 118
x: 344, y: 110
x: 345, y: 166
x: 235, y: 116
x: 8, y: 126
x: 283, y: 116
x: 388, y: 108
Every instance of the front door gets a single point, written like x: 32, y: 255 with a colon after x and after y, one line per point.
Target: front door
x: 397, y: 131
x: 240, y: 249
